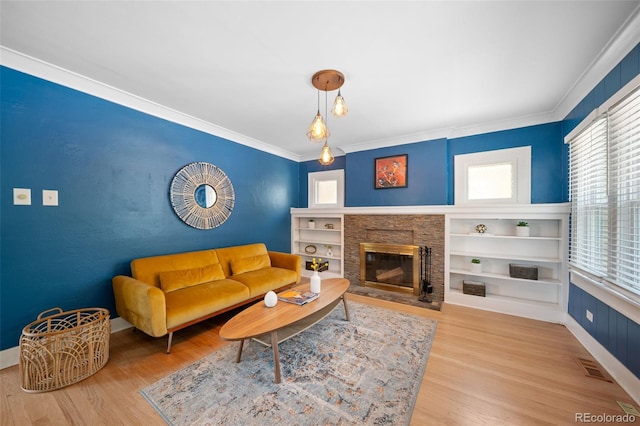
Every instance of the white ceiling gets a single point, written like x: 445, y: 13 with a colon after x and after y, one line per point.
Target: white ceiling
x: 415, y: 70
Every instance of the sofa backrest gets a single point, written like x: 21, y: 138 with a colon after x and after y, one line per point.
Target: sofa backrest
x: 227, y: 254
x: 147, y: 269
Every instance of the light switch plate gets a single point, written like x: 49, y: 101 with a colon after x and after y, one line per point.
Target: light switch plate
x: 49, y: 197
x: 21, y: 196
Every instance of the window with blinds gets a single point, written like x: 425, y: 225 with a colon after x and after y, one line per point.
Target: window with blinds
x: 604, y: 181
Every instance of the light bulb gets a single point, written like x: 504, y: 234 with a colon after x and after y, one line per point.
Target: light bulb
x: 318, y: 131
x: 339, y: 106
x: 326, y: 156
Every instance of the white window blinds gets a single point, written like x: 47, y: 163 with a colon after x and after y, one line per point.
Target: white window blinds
x: 624, y: 187
x: 604, y: 179
x: 588, y: 190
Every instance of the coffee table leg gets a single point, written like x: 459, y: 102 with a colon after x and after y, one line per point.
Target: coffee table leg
x: 346, y: 308
x: 276, y: 355
x: 240, y: 351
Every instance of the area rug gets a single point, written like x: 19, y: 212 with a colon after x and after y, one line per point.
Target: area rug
x: 364, y: 371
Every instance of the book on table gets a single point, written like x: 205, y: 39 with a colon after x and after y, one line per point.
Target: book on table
x: 297, y: 297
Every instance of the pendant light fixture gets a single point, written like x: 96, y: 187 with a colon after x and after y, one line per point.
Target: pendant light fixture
x: 326, y: 156
x: 318, y: 131
x: 326, y: 80
x: 339, y: 106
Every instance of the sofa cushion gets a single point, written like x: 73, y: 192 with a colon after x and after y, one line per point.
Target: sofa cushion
x: 147, y: 269
x: 248, y: 264
x: 175, y: 280
x: 227, y: 254
x: 191, y: 303
x: 262, y: 280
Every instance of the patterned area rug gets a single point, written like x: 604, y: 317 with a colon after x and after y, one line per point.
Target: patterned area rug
x: 365, y: 371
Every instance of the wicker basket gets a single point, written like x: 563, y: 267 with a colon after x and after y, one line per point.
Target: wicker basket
x: 63, y: 348
x: 474, y: 288
x: 523, y: 271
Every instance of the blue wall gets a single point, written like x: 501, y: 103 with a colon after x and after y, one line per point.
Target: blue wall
x: 112, y: 167
x: 426, y: 176
x: 431, y: 172
x: 614, y: 331
x: 617, y: 333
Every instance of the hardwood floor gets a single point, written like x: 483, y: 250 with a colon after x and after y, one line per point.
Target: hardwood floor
x: 484, y: 368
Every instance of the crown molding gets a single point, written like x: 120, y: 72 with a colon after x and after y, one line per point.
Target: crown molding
x: 24, y: 63
x: 623, y: 42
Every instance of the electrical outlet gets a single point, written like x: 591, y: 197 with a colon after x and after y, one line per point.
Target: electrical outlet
x: 589, y: 315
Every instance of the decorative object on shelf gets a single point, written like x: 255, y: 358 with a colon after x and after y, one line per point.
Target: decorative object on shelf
x: 476, y: 266
x: 391, y: 172
x: 311, y: 224
x: 270, y: 299
x: 475, y: 288
x: 315, y: 278
x: 527, y: 272
x: 329, y: 251
x: 321, y: 268
x: 310, y: 249
x: 202, y: 195
x: 328, y: 225
x: 326, y: 80
x: 481, y: 229
x: 522, y: 230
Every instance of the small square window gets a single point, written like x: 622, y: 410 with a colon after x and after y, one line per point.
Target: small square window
x: 327, y: 192
x: 499, y: 177
x: 326, y: 189
x: 489, y: 181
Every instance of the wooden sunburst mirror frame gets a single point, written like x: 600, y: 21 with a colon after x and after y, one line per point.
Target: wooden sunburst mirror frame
x: 183, y: 195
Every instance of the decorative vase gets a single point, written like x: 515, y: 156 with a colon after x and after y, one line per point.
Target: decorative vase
x: 315, y: 282
x: 476, y: 268
x: 311, y: 224
x: 522, y: 231
x: 329, y: 251
x: 270, y: 299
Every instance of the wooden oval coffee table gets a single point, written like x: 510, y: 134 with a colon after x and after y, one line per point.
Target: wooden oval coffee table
x: 272, y: 326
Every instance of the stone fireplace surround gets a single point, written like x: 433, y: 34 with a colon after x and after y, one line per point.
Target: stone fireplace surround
x: 391, y: 228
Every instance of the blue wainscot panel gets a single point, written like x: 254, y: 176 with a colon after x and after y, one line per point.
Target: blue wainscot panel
x: 614, y: 331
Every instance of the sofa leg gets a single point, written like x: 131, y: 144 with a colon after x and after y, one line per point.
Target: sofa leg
x: 169, y: 343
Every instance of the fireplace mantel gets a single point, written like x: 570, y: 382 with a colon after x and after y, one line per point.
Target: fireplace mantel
x: 502, y: 209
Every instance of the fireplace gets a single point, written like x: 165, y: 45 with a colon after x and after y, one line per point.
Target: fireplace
x: 393, y: 267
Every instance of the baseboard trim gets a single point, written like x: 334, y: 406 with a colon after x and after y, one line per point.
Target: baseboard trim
x: 621, y: 374
x: 10, y: 357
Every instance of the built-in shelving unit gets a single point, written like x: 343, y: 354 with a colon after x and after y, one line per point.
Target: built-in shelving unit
x: 324, y: 239
x: 545, y: 248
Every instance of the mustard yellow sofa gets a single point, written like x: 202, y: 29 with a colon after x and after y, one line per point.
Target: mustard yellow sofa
x: 170, y: 292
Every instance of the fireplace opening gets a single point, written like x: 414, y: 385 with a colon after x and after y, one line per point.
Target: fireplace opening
x: 394, y: 267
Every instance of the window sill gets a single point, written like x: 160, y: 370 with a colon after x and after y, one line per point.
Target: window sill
x: 623, y: 301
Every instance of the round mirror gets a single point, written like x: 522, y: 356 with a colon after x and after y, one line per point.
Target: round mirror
x: 202, y: 195
x: 205, y: 196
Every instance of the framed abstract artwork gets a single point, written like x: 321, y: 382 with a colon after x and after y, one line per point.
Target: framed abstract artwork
x: 391, y: 172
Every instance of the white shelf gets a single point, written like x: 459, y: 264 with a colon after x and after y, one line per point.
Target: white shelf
x: 547, y: 247
x: 543, y: 281
x: 317, y: 255
x: 515, y: 237
x: 508, y: 256
x: 317, y: 241
x: 320, y: 236
x: 318, y: 229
